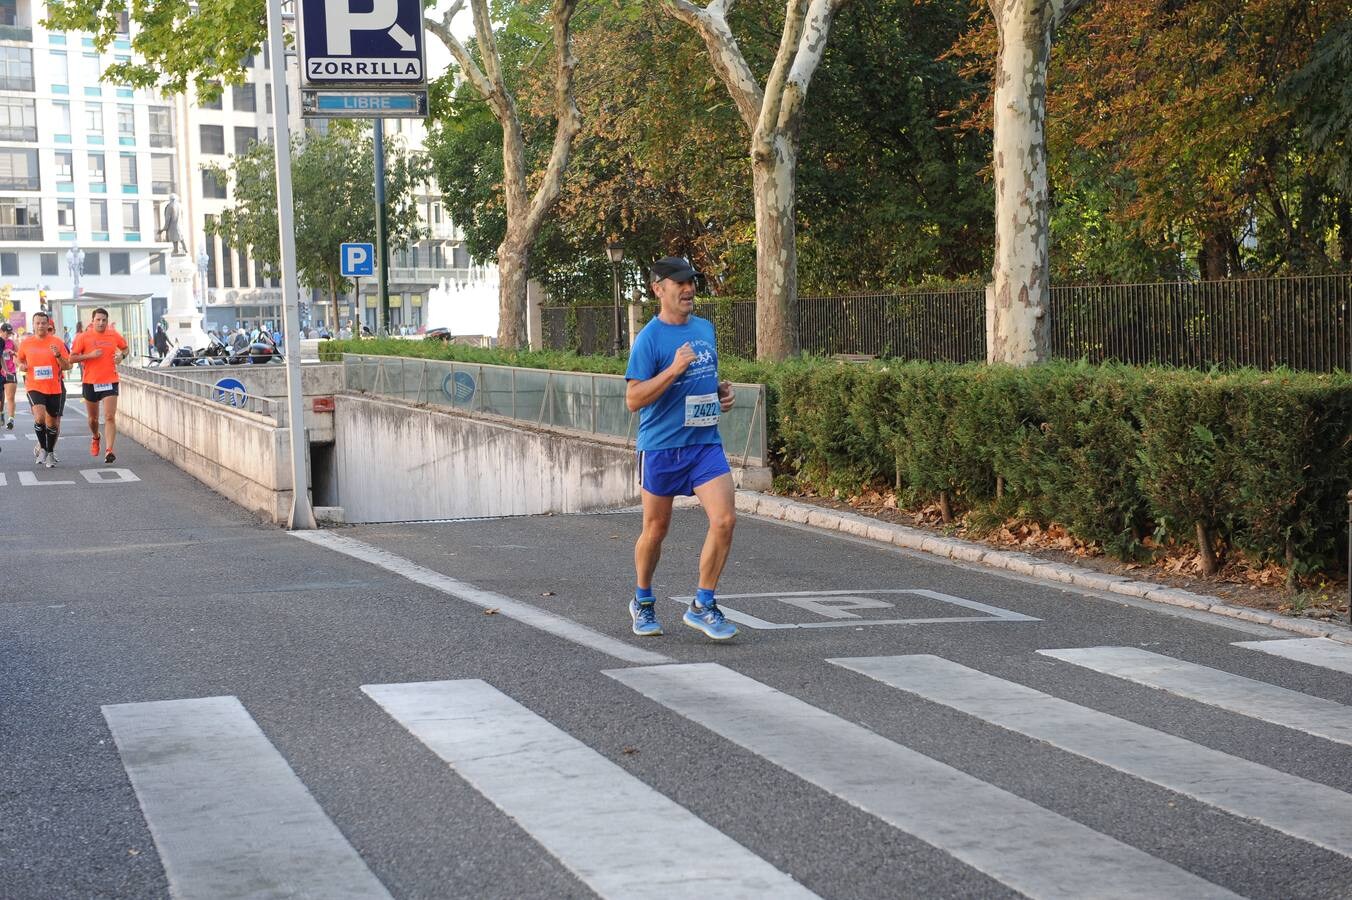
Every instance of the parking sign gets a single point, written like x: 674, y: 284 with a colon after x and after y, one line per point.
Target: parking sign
x: 356, y: 260
x: 344, y: 42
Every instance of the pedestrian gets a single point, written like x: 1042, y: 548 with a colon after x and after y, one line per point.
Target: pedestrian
x: 65, y: 337
x: 161, y: 341
x: 8, y: 374
x: 43, y: 360
x: 98, y: 350
x: 673, y: 385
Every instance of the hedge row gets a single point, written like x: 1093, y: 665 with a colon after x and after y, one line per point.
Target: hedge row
x: 1259, y: 461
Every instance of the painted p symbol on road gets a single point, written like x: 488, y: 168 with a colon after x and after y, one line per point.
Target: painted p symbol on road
x: 357, y: 260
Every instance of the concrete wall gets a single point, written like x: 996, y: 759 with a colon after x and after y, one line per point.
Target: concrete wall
x: 393, y: 462
x: 317, y: 380
x: 241, y: 455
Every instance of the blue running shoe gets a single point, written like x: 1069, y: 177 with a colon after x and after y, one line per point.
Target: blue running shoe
x: 645, y: 618
x: 710, y: 620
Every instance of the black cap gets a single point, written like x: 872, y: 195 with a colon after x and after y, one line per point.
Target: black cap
x: 5, y: 326
x: 673, y: 267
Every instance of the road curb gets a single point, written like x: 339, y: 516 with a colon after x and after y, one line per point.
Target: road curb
x: 772, y: 507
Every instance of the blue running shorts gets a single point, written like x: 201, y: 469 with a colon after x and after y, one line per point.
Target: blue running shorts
x: 679, y: 470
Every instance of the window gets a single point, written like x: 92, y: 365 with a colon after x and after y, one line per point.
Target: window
x: 211, y: 251
x: 213, y: 188
x: 19, y: 170
x: 48, y: 263
x: 97, y: 173
x: 65, y: 166
x: 131, y: 216
x: 60, y: 67
x: 9, y: 12
x: 119, y: 263
x: 94, y: 118
x: 244, y: 97
x: 156, y: 263
x: 20, y: 219
x: 243, y: 259
x: 98, y: 215
x: 161, y: 173
x: 126, y: 120
x: 65, y: 215
x: 16, y: 68
x: 9, y: 264
x: 227, y: 265
x: 161, y: 126
x: 244, y: 139
x: 214, y: 103
x: 213, y: 139
x: 128, y: 164
x: 123, y: 23
x: 18, y: 119
x: 267, y: 98
x: 62, y: 110
x: 461, y: 254
x: 93, y: 264
x: 91, y: 68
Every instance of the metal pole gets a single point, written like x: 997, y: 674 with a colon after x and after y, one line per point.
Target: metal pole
x: 302, y: 514
x: 356, y: 305
x: 382, y: 252
x: 615, y: 287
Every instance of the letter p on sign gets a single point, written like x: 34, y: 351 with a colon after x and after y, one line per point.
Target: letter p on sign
x: 357, y: 260
x: 340, y: 21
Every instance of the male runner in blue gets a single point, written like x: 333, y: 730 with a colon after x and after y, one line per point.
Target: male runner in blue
x: 673, y: 380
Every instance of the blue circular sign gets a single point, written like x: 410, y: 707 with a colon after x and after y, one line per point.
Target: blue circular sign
x: 231, y: 392
x: 458, y: 386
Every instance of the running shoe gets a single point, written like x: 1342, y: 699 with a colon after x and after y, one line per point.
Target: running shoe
x: 49, y: 459
x: 710, y: 620
x: 94, y: 445
x: 37, y: 455
x: 9, y: 426
x: 645, y: 618
x: 109, y: 457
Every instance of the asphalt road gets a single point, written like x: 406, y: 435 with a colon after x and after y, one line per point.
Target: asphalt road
x: 459, y: 710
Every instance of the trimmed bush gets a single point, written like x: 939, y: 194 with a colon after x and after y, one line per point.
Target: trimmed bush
x: 1255, y: 461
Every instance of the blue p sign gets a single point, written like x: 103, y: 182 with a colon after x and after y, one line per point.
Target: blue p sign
x: 357, y: 260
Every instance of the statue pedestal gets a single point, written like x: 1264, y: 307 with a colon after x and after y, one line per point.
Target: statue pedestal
x: 183, y: 322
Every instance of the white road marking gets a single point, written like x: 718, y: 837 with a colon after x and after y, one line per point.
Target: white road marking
x: 229, y: 816
x: 1256, y: 699
x: 506, y: 606
x: 1287, y: 803
x: 109, y: 476
x: 1014, y: 841
x: 833, y: 606
x: 1314, y: 651
x: 580, y: 806
x: 30, y: 479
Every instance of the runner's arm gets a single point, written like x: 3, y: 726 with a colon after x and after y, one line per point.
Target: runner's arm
x: 638, y: 394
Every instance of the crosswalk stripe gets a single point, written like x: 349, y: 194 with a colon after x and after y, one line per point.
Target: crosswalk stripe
x: 1294, y: 806
x: 580, y: 806
x: 1314, y: 651
x: 1255, y: 699
x: 229, y: 817
x: 1014, y: 841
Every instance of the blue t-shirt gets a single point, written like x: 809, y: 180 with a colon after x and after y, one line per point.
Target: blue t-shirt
x: 687, y: 412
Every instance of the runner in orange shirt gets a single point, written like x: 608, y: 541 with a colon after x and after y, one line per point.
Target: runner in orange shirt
x: 98, y: 349
x: 43, y: 360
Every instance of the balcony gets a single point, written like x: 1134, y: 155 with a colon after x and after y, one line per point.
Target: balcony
x: 20, y: 232
x: 427, y: 276
x: 16, y: 33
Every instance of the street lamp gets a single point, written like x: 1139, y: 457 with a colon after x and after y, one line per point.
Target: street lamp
x: 615, y: 253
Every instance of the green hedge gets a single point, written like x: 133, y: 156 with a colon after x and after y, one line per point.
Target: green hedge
x: 1257, y: 461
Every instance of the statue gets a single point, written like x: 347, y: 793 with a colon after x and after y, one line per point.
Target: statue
x: 173, y: 229
x: 203, y: 263
x: 75, y: 265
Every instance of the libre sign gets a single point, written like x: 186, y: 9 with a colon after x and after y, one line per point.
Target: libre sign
x: 379, y: 46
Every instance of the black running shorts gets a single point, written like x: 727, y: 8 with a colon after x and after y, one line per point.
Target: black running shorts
x: 55, y: 403
x: 96, y: 392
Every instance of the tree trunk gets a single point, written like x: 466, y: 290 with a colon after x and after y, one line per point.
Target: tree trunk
x: 776, y: 252
x: 1210, y: 565
x: 1214, y: 260
x: 333, y: 297
x: 1021, y: 332
x: 513, y: 263
x: 1345, y: 232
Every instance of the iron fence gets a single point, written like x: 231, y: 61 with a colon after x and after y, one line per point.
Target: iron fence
x: 1301, y: 322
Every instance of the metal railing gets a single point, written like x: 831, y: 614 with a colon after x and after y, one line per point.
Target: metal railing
x: 544, y: 398
x: 229, y: 397
x: 1300, y: 322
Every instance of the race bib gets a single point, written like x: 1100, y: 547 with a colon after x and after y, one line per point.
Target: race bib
x: 102, y: 388
x: 701, y: 410
x: 41, y: 372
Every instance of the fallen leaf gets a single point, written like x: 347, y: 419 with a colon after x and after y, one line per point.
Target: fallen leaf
x: 629, y: 751
x: 547, y: 594
x: 491, y: 611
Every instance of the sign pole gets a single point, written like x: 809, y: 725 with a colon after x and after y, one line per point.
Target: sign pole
x: 382, y: 252
x: 302, y: 513
x: 356, y: 303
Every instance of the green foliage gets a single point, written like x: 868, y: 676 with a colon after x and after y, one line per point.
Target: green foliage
x: 333, y: 187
